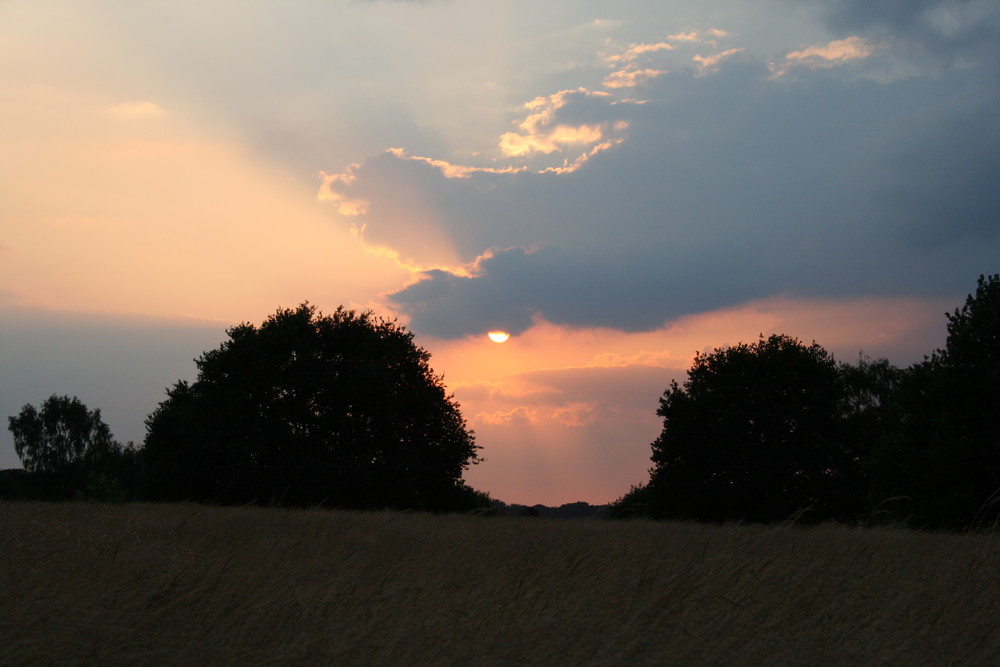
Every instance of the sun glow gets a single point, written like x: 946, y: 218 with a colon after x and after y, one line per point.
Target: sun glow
x: 498, y: 336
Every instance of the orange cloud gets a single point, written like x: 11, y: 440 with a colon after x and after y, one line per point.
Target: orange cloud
x: 572, y: 165
x: 635, y: 50
x: 519, y: 416
x: 345, y: 205
x: 708, y: 64
x: 539, y: 132
x: 655, y: 358
x: 454, y: 170
x: 691, y: 36
x: 557, y: 137
x: 629, y: 78
x: 835, y: 53
x: 575, y: 414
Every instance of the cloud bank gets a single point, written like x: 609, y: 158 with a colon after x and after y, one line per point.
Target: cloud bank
x: 704, y: 175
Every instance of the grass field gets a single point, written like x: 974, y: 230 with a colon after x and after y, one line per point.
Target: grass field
x: 85, y: 583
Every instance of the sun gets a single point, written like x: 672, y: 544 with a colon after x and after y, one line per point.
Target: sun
x: 498, y: 336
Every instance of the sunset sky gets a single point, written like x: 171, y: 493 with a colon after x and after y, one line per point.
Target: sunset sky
x: 616, y: 184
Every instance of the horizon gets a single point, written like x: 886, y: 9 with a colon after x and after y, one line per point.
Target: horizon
x: 615, y: 187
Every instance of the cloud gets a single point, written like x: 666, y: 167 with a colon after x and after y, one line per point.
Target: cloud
x: 727, y: 202
x: 657, y: 359
x: 837, y: 52
x: 519, y: 416
x: 632, y: 74
x: 691, y: 36
x: 328, y: 192
x: 711, y: 63
x: 449, y: 170
x: 630, y: 78
x: 541, y: 131
x: 960, y: 32
x: 635, y: 50
x: 576, y: 414
x: 725, y: 186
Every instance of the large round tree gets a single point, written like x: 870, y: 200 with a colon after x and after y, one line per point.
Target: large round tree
x: 340, y: 409
x: 758, y: 432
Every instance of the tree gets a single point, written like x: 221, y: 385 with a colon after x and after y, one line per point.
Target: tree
x: 63, y: 433
x: 63, y: 443
x: 310, y: 408
x: 757, y: 432
x: 941, y: 467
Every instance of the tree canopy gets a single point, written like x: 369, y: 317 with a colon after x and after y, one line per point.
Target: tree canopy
x: 940, y: 466
x: 64, y: 432
x: 757, y: 432
x: 67, y: 450
x: 340, y: 409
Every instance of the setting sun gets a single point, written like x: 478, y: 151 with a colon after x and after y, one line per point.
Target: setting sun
x: 499, y: 336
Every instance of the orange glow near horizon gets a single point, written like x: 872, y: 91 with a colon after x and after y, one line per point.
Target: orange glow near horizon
x: 585, y: 398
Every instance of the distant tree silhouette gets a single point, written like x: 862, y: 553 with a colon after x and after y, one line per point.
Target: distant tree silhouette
x: 64, y: 441
x: 340, y: 409
x: 940, y: 468
x: 757, y: 432
x: 63, y: 432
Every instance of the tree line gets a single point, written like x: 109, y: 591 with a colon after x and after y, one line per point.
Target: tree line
x: 306, y: 409
x: 343, y: 410
x: 778, y: 429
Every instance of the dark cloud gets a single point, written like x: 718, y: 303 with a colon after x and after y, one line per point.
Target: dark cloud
x: 854, y: 14
x: 838, y: 178
x: 955, y: 29
x: 728, y: 189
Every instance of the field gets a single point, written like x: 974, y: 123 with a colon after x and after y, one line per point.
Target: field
x: 86, y: 583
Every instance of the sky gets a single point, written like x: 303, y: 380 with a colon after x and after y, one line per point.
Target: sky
x: 617, y: 185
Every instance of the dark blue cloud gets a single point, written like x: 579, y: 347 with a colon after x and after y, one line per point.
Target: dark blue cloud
x: 854, y: 180
x: 953, y: 29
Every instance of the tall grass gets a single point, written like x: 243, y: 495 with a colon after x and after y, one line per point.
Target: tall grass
x: 84, y: 583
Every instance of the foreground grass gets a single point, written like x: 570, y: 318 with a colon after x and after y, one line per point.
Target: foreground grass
x: 171, y: 584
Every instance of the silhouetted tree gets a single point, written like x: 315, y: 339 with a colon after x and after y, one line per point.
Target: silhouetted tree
x: 311, y: 408
x: 63, y: 432
x: 941, y: 467
x: 758, y: 432
x: 64, y: 441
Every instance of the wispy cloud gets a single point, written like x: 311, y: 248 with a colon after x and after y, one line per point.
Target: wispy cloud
x: 690, y: 36
x: 635, y: 50
x: 708, y: 64
x: 629, y: 78
x: 519, y: 416
x: 837, y: 52
x: 450, y: 170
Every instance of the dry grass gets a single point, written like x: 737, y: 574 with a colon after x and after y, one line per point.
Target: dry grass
x: 184, y: 584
